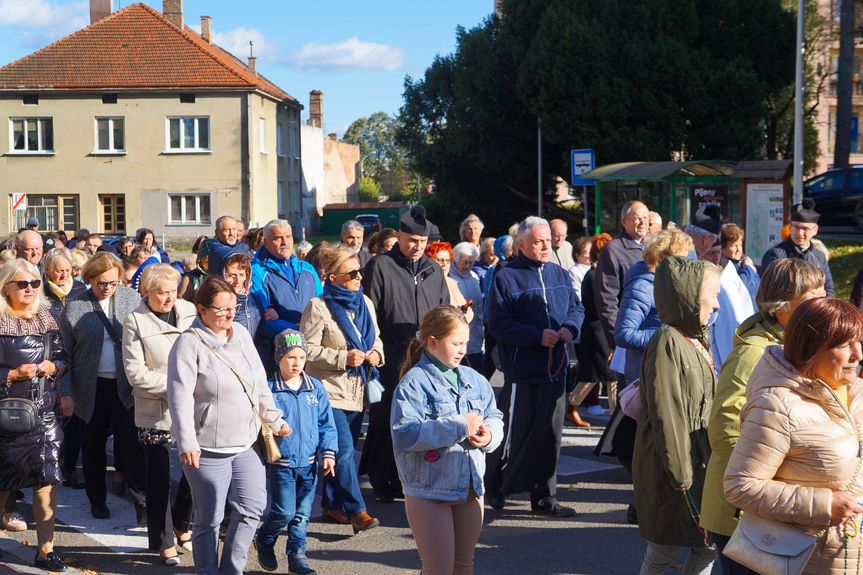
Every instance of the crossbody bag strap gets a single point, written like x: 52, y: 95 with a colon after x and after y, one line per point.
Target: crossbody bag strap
x: 116, y: 339
x: 243, y: 382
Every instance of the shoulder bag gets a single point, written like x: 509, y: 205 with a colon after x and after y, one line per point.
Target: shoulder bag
x: 770, y: 547
x: 630, y: 401
x: 116, y: 338
x: 266, y: 441
x: 19, y: 415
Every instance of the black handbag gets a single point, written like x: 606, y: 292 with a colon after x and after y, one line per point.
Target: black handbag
x: 19, y: 415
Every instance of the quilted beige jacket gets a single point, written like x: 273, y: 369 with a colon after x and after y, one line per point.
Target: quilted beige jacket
x: 798, y: 443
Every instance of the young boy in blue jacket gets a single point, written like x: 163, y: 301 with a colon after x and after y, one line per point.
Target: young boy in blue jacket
x: 292, y: 479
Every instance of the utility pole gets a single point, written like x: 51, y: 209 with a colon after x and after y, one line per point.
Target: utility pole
x: 539, y: 166
x: 798, y: 108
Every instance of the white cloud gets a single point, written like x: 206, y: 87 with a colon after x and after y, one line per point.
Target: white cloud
x: 236, y: 42
x: 353, y: 54
x: 44, y: 14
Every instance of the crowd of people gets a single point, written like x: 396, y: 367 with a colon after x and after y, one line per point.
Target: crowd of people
x: 259, y: 360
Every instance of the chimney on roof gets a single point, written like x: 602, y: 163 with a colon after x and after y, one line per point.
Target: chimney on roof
x: 206, y: 25
x: 334, y: 137
x: 100, y: 9
x: 316, y: 108
x: 252, y: 67
x: 173, y: 12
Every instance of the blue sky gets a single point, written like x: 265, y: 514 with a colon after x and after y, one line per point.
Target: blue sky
x: 357, y: 53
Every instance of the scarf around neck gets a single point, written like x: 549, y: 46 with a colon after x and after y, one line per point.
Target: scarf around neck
x: 60, y: 291
x: 359, y: 333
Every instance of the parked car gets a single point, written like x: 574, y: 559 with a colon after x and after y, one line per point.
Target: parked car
x: 371, y: 223
x: 838, y: 196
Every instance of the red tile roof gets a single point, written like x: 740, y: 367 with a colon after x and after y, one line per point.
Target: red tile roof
x: 135, y: 48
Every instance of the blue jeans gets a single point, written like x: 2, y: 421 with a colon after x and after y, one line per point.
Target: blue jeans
x: 292, y: 492
x: 343, y: 490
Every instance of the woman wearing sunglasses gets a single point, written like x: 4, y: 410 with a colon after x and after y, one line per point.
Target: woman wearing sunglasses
x: 32, y: 357
x: 345, y: 350
x: 92, y: 327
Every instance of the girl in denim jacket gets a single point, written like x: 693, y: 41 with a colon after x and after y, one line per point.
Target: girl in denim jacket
x: 444, y: 420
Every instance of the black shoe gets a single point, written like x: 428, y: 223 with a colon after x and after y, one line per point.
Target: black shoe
x: 632, y: 515
x: 72, y: 480
x: 266, y: 556
x: 496, y: 501
x: 556, y: 510
x: 383, y: 494
x: 118, y: 487
x: 141, y: 513
x: 50, y: 562
x: 100, y: 511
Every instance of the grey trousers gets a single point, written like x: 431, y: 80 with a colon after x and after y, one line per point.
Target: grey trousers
x: 242, y: 480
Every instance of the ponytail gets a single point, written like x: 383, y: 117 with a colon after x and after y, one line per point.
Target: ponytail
x: 412, y: 357
x: 437, y: 322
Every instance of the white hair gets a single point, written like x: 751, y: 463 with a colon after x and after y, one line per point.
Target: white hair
x: 530, y: 222
x: 698, y: 232
x: 53, y: 257
x: 468, y: 221
x: 465, y: 249
x: 273, y: 224
x: 352, y: 225
x: 654, y: 216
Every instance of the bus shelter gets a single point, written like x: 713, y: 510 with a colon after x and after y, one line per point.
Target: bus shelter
x: 673, y: 189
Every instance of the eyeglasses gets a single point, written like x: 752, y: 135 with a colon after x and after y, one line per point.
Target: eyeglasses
x: 353, y: 274
x: 224, y: 310
x: 22, y: 284
x: 106, y: 285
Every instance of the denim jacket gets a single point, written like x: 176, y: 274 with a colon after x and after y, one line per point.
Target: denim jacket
x: 310, y: 417
x: 433, y: 456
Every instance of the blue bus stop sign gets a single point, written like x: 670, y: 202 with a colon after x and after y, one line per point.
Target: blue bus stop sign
x: 582, y: 161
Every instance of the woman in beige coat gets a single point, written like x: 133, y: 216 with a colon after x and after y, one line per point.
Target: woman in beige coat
x: 800, y: 451
x: 345, y: 350
x: 148, y: 335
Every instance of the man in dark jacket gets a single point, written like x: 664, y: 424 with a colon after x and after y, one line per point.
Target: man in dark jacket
x: 403, y: 284
x: 804, y: 227
x: 615, y: 258
x: 352, y: 238
x: 534, y: 314
x: 282, y: 281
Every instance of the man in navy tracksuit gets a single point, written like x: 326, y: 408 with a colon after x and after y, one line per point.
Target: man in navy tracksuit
x: 534, y: 313
x: 281, y: 280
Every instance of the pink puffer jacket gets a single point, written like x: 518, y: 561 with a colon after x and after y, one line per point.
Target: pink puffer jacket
x: 798, y: 443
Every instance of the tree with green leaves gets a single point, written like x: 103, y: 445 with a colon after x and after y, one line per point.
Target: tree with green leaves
x: 381, y: 157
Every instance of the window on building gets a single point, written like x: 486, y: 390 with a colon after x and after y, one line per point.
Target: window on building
x: 188, y: 134
x: 263, y: 135
x: 113, y: 212
x: 54, y: 213
x: 280, y: 140
x: 189, y: 209
x: 110, y: 135
x: 32, y: 135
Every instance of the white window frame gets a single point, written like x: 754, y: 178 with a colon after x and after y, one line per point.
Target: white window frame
x: 184, y: 219
x: 39, y: 123
x: 262, y: 135
x: 111, y: 150
x: 182, y: 150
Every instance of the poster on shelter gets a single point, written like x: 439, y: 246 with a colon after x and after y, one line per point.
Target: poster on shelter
x: 764, y: 219
x: 706, y: 195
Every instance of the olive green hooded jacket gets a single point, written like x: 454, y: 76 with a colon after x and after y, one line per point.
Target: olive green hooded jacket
x: 677, y: 388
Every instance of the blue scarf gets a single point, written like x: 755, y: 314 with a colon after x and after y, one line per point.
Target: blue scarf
x: 340, y: 301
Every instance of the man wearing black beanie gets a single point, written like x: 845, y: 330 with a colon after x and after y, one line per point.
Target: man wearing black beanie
x: 403, y: 285
x: 804, y: 227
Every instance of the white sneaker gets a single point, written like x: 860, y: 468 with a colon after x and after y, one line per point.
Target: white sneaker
x: 595, y: 410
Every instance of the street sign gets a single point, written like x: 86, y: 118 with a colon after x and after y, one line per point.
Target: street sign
x: 582, y: 162
x: 19, y: 202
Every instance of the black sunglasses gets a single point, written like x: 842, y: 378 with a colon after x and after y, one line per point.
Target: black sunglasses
x: 352, y: 274
x: 22, y: 284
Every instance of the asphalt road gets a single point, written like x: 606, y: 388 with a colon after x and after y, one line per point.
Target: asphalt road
x: 598, y: 541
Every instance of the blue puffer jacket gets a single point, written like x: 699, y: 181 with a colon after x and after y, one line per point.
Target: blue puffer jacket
x: 287, y: 295
x: 637, y: 318
x: 429, y: 428
x: 310, y: 417
x: 526, y: 298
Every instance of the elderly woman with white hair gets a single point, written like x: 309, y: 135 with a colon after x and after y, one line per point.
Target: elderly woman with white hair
x: 32, y: 358
x: 464, y: 255
x: 471, y: 230
x: 59, y: 285
x: 149, y: 332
